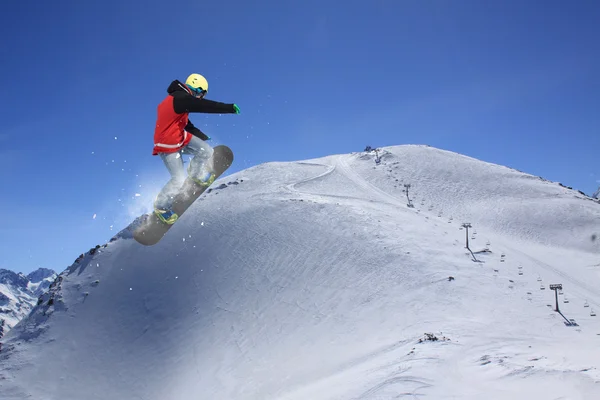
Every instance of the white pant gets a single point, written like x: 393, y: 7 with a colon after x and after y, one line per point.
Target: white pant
x: 202, y: 153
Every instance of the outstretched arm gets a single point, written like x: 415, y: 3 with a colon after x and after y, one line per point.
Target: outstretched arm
x: 183, y: 102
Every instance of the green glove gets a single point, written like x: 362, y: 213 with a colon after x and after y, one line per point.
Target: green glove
x: 236, y: 109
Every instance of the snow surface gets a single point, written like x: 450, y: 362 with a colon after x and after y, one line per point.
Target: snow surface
x: 314, y: 280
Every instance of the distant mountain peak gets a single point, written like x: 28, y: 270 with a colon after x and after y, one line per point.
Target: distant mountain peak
x: 19, y: 293
x: 13, y: 278
x: 40, y: 274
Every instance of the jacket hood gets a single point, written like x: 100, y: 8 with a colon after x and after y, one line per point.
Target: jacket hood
x: 177, y: 86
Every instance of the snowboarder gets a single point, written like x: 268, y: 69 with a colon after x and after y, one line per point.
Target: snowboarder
x: 175, y: 135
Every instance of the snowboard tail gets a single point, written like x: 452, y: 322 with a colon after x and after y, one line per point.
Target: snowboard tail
x: 151, y: 229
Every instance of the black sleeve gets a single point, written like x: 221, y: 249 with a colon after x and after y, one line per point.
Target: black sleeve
x: 195, y: 131
x: 183, y: 102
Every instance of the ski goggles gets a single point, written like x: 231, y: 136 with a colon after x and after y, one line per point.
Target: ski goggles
x: 198, y: 92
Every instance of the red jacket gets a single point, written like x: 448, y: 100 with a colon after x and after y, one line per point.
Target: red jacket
x: 170, y: 134
x: 173, y: 129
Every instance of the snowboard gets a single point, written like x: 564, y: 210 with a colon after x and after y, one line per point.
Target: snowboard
x: 150, y: 229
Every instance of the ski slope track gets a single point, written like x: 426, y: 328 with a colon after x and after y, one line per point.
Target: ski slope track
x: 315, y: 280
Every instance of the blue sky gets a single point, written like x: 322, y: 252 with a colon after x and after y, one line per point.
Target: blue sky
x: 511, y: 82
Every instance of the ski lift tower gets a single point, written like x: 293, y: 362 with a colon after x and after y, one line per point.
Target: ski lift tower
x: 556, y: 288
x: 467, y: 226
x: 406, y: 187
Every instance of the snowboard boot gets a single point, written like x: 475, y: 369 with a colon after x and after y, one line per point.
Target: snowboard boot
x: 205, y: 179
x: 166, y: 216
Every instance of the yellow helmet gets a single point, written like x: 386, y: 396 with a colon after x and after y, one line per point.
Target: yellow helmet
x: 197, y: 82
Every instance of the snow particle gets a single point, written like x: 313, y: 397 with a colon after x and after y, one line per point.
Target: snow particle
x: 115, y: 138
x: 94, y: 217
x: 137, y: 195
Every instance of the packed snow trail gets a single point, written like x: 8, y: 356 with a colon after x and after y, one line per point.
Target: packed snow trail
x: 368, y: 187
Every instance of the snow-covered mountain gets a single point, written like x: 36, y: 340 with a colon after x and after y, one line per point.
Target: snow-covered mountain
x: 596, y: 194
x: 19, y: 293
x: 324, y: 279
x: 40, y: 280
